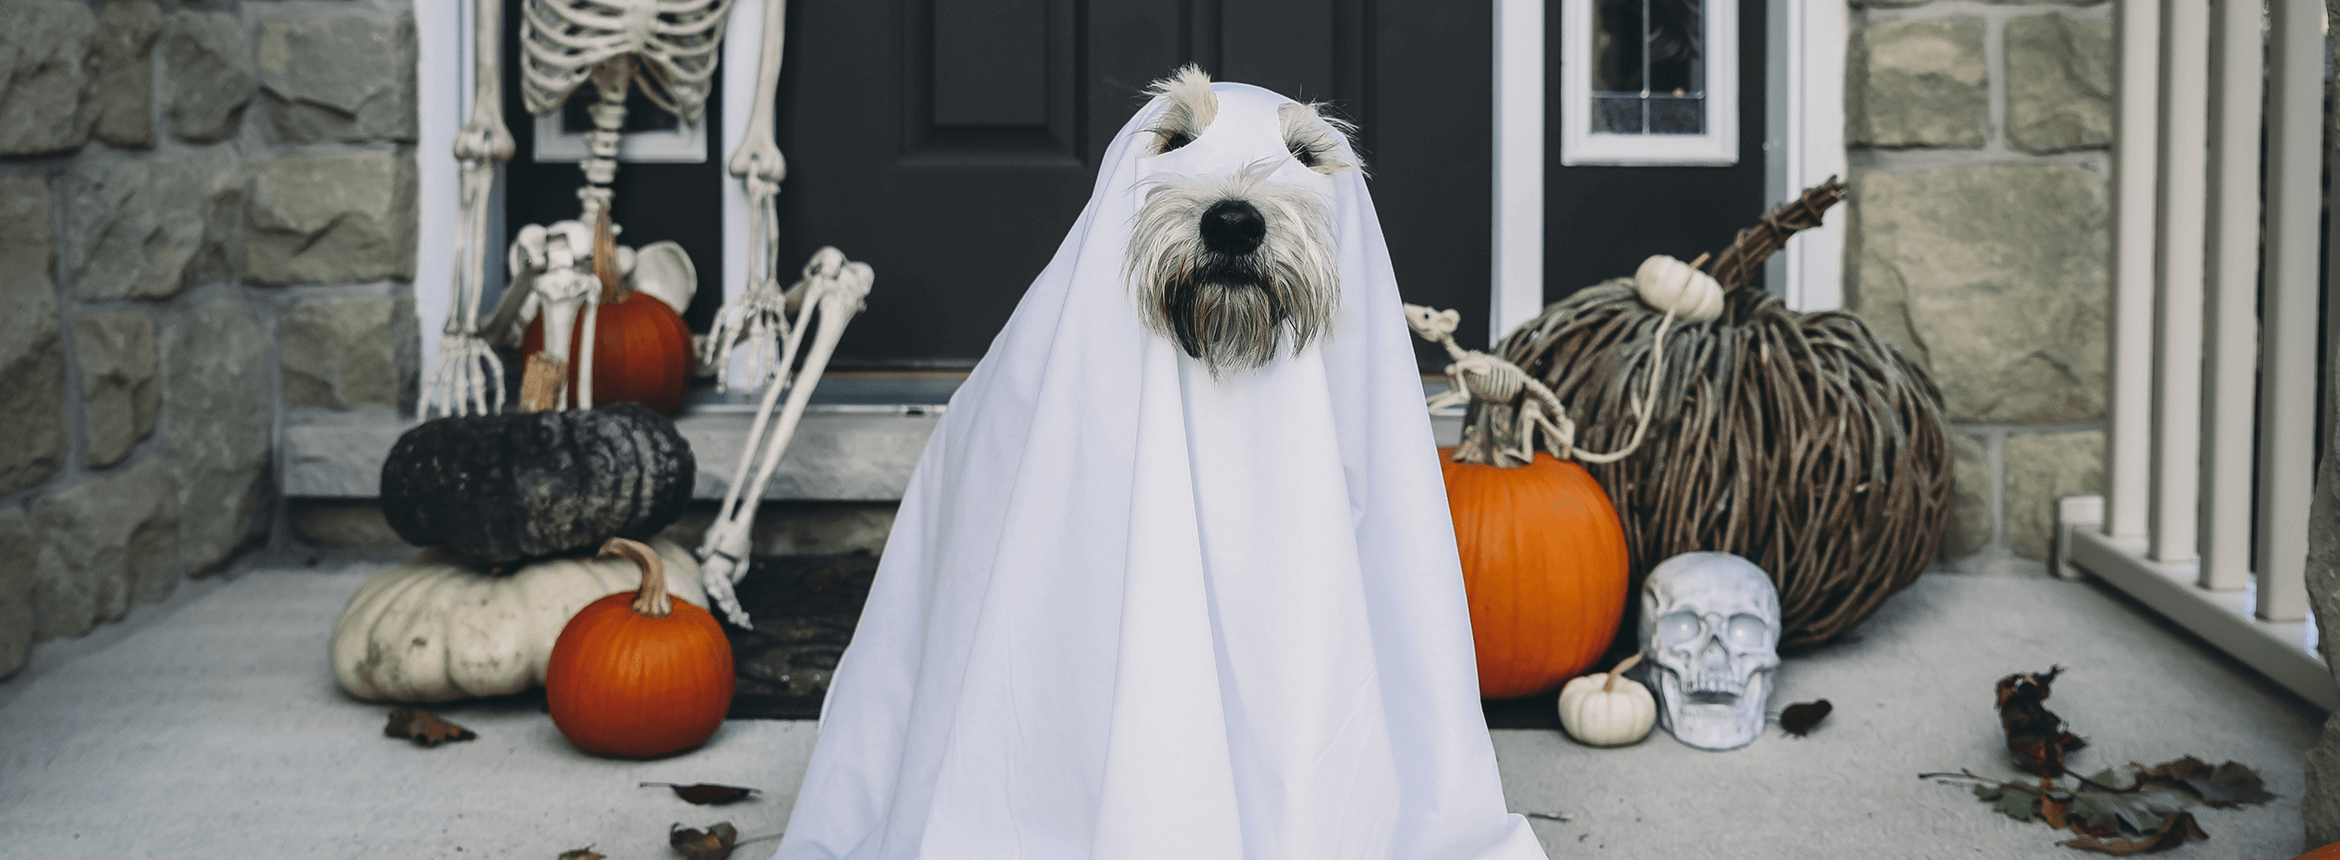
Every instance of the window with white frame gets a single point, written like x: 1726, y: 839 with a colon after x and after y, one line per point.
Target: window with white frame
x: 1649, y: 82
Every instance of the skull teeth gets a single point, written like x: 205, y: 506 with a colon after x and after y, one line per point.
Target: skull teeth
x: 1716, y: 683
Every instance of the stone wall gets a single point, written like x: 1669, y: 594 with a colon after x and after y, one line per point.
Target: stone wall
x: 207, y: 217
x: 1980, y: 226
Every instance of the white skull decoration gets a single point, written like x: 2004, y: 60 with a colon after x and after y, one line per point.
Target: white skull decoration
x: 1710, y: 635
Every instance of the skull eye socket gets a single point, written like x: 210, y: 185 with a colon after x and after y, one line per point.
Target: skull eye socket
x: 1678, y: 628
x: 1747, y: 632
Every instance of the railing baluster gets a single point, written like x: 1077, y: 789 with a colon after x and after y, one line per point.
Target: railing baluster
x: 2287, y: 396
x: 2129, y: 394
x: 2231, y: 319
x: 2177, y: 354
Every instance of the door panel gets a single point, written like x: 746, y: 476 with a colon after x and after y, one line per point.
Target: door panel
x: 1601, y: 222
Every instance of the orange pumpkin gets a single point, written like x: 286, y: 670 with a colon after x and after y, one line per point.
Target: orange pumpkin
x: 1545, y: 566
x: 641, y: 348
x: 639, y: 674
x: 2328, y: 852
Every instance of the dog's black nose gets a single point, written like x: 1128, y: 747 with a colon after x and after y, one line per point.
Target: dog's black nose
x: 1232, y: 227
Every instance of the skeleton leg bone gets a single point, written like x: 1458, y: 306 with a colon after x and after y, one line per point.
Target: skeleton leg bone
x: 836, y: 299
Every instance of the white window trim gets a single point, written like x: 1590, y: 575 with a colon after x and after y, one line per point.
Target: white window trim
x: 443, y: 85
x: 686, y: 143
x: 1718, y: 147
x: 1806, y: 89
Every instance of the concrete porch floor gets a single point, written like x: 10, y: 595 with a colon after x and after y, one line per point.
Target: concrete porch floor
x: 209, y: 726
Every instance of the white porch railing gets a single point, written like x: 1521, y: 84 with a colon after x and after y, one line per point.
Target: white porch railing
x: 2202, y: 324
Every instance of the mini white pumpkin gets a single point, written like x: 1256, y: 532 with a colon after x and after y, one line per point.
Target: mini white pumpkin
x: 1607, y: 709
x: 1667, y: 284
x: 439, y: 627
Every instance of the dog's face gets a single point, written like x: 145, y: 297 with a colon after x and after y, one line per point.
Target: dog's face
x: 1232, y: 252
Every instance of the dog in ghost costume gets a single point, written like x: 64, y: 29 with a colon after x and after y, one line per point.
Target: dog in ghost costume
x: 1175, y: 576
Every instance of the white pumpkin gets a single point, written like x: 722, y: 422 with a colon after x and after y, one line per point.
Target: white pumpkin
x: 439, y: 627
x: 1607, y: 709
x: 1668, y: 284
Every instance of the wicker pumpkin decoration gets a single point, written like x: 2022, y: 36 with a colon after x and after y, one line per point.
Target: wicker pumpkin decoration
x: 1544, y: 565
x: 1607, y: 709
x: 641, y: 348
x: 1803, y: 443
x: 641, y: 674
x: 440, y: 628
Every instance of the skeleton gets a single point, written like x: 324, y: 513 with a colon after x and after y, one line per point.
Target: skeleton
x: 1709, y: 641
x: 670, y: 47
x: 466, y: 370
x: 830, y: 286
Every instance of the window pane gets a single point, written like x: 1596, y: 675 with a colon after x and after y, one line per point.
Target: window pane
x: 1617, y: 42
x: 1617, y: 114
x: 1677, y: 116
x: 1676, y: 47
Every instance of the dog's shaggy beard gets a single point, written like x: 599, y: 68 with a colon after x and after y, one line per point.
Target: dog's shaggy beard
x: 1232, y: 312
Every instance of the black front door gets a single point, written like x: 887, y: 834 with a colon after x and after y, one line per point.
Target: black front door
x: 951, y: 144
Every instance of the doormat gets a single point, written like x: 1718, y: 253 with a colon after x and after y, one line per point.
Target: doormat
x: 804, y: 608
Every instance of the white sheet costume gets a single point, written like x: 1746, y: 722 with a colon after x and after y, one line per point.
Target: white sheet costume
x: 1132, y: 611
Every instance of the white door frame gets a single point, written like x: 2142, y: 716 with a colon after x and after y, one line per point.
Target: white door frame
x: 1804, y: 143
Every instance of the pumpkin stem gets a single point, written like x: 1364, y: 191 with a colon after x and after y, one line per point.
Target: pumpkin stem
x: 605, y: 265
x: 540, y: 383
x: 652, y: 599
x: 1619, y: 672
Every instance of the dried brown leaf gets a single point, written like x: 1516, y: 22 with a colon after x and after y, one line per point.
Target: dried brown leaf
x: 585, y: 853
x: 713, y: 843
x: 424, y: 728
x: 2035, y: 735
x: 707, y: 793
x: 2173, y: 832
x: 1799, y: 719
x: 2228, y: 786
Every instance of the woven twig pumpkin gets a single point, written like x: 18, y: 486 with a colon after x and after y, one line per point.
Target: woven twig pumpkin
x: 1801, y: 442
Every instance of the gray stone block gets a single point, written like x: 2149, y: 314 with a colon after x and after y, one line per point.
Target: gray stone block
x: 339, y: 79
x: 126, y: 73
x: 32, y: 353
x: 345, y: 353
x: 119, y: 388
x: 1918, y: 83
x: 208, y: 62
x: 331, y: 219
x: 150, y: 228
x: 2041, y: 468
x: 16, y: 588
x: 217, y: 380
x: 105, y: 543
x: 48, y: 76
x: 2059, y: 83
x: 1969, y: 529
x: 1994, y: 277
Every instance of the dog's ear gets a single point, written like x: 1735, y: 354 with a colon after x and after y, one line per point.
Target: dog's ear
x: 1315, y: 137
x: 1192, y: 108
